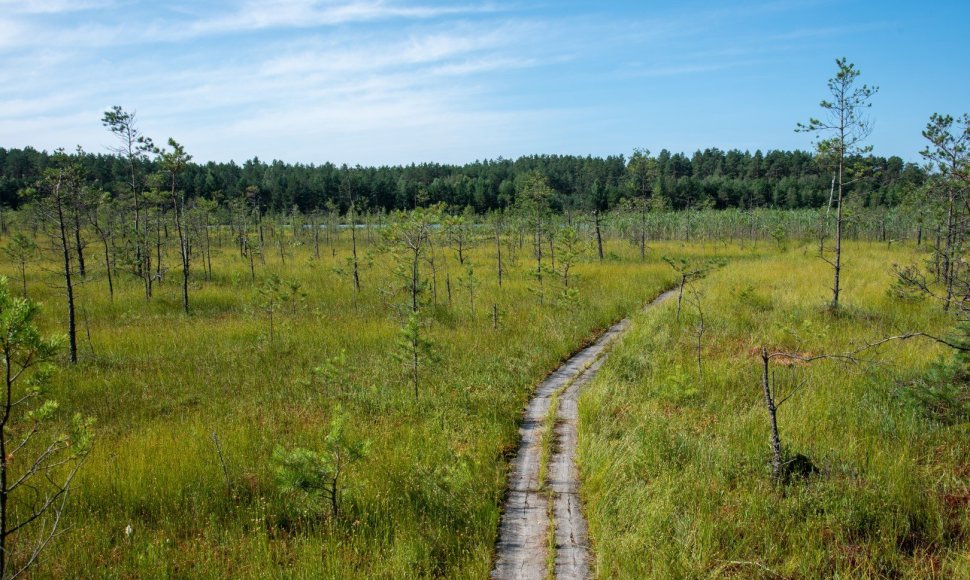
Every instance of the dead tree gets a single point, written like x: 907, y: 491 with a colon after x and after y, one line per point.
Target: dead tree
x: 498, y: 228
x: 60, y: 183
x: 348, y: 188
x: 688, y: 273
x: 774, y: 400
x: 599, y: 235
x: 102, y: 218
x: 173, y: 163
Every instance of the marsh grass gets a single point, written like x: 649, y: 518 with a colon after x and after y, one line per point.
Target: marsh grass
x: 676, y: 473
x: 153, y: 501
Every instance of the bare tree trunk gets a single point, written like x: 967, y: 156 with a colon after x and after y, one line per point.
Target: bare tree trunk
x: 180, y: 227
x: 252, y: 263
x: 414, y: 280
x: 700, y: 329
x: 185, y: 272
x: 262, y: 241
x: 680, y: 294
x: 552, y: 250
x: 538, y: 248
x: 79, y: 247
x: 353, y: 238
x: 772, y: 414
x: 316, y: 235
x: 107, y: 267
x: 599, y: 237
x: 498, y: 253
x: 643, y: 235
x: 68, y: 282
x: 158, y: 245
x: 208, y: 249
x: 948, y: 274
x: 145, y: 259
x: 837, y: 264
x: 434, y: 271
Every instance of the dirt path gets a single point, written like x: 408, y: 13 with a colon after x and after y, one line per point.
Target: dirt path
x: 523, y: 549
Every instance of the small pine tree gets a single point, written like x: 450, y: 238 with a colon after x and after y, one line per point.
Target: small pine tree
x: 21, y: 249
x: 277, y: 294
x: 414, y: 348
x: 33, y: 489
x: 314, y: 477
x: 469, y: 282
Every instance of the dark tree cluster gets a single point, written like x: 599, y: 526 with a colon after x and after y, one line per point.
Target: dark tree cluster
x: 709, y: 178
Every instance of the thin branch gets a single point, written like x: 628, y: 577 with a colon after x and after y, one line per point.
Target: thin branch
x: 799, y: 387
x: 62, y: 490
x: 31, y: 433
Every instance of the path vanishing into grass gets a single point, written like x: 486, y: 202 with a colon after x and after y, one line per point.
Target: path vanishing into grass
x: 542, y: 527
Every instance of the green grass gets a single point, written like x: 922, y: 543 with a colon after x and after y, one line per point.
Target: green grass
x: 676, y: 471
x: 425, y: 501
x: 676, y: 474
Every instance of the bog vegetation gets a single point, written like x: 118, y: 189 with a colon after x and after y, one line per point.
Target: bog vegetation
x: 676, y: 455
x: 318, y: 371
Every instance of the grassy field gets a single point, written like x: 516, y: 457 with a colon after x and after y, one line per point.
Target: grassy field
x: 154, y: 499
x: 676, y: 461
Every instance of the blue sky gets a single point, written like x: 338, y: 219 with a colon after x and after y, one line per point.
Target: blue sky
x: 395, y: 81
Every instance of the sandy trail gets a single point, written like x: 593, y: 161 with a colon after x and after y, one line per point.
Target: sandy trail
x: 522, y: 549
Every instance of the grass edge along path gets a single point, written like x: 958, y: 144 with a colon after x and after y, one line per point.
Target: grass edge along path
x: 523, y: 542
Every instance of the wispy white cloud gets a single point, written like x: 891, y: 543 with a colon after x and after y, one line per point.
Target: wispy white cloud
x: 341, y: 85
x: 486, y: 64
x: 340, y: 57
x: 47, y: 7
x: 22, y: 26
x: 351, y: 80
x: 263, y: 14
x: 11, y: 34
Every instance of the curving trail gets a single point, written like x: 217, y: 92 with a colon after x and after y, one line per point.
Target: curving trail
x: 522, y: 551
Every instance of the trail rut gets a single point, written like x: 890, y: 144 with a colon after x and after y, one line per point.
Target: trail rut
x: 522, y: 551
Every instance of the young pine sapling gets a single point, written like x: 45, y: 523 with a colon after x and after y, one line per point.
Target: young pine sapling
x: 277, y: 294
x: 35, y: 476
x: 21, y: 249
x: 316, y: 477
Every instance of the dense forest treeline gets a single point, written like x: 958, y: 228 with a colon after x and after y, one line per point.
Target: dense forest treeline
x: 711, y: 178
